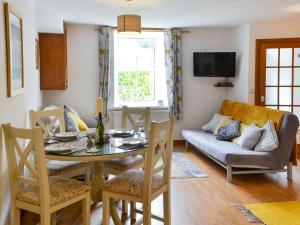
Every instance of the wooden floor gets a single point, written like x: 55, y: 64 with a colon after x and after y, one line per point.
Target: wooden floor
x: 206, y: 201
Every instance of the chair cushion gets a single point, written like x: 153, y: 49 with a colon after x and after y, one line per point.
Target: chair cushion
x: 131, y: 183
x: 56, y: 168
x: 125, y: 163
x: 61, y: 190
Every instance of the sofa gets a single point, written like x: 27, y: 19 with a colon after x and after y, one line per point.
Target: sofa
x: 240, y: 161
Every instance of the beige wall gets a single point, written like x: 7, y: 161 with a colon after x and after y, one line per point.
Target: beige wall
x: 14, y: 110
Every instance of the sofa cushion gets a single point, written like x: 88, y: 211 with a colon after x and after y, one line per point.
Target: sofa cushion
x: 213, y: 123
x: 269, y: 140
x: 250, y: 137
x: 228, y: 152
x: 229, y: 131
x: 225, y: 121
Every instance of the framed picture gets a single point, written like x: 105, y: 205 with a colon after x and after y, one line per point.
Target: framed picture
x: 37, y: 54
x: 14, y: 51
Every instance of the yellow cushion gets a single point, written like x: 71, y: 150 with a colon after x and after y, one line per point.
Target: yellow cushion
x: 242, y: 129
x: 249, y: 114
x: 225, y: 121
x: 81, y: 124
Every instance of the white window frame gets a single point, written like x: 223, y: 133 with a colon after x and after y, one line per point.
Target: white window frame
x: 160, y: 89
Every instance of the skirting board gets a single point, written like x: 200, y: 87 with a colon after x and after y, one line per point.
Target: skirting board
x: 179, y: 142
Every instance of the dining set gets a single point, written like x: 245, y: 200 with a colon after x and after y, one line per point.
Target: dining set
x: 51, y: 170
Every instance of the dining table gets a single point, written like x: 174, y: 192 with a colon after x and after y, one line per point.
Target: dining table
x: 81, y: 152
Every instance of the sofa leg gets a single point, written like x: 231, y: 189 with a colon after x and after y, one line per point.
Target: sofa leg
x: 229, y: 174
x: 290, y: 171
x: 187, y: 145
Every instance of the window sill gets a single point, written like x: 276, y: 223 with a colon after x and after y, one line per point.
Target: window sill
x: 153, y: 108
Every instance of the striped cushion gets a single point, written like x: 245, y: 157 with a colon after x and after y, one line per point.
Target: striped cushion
x: 269, y: 140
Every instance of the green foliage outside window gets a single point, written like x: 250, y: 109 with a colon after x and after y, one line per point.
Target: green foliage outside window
x: 136, y: 86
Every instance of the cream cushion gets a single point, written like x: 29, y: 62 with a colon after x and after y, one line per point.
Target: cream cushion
x: 61, y: 190
x: 56, y: 168
x: 131, y: 183
x: 242, y: 130
x: 124, y: 164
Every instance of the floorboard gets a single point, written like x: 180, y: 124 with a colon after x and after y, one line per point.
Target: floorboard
x: 206, y: 201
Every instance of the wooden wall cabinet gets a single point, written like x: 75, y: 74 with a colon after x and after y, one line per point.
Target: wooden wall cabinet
x: 53, y: 61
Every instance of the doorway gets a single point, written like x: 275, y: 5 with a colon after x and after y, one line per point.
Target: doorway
x: 277, y: 81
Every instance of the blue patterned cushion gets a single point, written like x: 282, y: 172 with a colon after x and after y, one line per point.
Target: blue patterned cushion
x: 229, y: 131
x: 269, y: 140
x: 70, y: 123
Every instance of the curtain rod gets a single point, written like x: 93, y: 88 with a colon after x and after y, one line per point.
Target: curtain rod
x: 152, y: 29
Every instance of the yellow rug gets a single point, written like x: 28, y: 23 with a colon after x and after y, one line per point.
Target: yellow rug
x: 277, y: 213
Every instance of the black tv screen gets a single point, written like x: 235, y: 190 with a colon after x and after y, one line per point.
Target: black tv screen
x: 214, y: 64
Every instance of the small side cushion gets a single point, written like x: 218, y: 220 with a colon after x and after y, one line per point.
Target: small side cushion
x: 81, y: 124
x: 250, y: 137
x: 229, y: 131
x: 269, y: 140
x: 225, y: 121
x: 70, y: 123
x: 213, y: 123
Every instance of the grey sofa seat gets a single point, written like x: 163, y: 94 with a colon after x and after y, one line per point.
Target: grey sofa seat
x: 230, y: 155
x: 227, y: 152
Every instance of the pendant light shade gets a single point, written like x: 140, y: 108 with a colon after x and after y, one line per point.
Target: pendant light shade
x: 129, y: 24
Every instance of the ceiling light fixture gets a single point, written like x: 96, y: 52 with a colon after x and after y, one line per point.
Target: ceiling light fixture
x: 129, y: 23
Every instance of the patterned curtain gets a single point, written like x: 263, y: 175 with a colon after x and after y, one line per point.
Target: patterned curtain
x: 105, y: 60
x: 173, y: 59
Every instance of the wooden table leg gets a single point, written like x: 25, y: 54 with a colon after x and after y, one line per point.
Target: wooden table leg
x: 97, y: 181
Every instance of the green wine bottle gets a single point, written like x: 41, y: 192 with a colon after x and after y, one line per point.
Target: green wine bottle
x: 100, y: 130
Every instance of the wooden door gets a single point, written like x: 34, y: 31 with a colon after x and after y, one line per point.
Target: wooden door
x: 53, y: 61
x: 278, y: 74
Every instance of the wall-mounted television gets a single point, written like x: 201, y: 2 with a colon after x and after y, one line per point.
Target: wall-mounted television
x: 214, y: 64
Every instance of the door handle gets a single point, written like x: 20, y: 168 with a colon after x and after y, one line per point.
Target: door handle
x: 262, y: 98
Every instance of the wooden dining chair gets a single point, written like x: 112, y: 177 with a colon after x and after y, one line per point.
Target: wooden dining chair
x: 37, y: 192
x: 58, y: 168
x: 118, y: 166
x: 143, y: 186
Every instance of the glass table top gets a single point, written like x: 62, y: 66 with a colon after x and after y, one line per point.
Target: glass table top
x: 82, y: 147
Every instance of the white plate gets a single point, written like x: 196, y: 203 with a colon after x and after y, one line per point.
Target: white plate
x: 58, y: 148
x: 67, y: 135
x: 132, y: 141
x: 120, y: 131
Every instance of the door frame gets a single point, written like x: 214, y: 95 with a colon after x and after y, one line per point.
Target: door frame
x: 258, y: 61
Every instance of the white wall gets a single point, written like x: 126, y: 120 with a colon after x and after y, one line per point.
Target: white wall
x: 268, y: 30
x: 14, y: 110
x: 201, y: 98
x: 83, y: 71
x: 241, y: 89
x: 48, y: 20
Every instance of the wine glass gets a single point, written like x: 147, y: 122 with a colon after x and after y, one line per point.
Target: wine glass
x: 140, y: 124
x: 93, y: 137
x: 51, y: 130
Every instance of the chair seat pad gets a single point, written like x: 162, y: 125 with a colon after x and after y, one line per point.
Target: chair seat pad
x: 56, y: 168
x: 61, y: 190
x: 131, y: 183
x: 125, y: 163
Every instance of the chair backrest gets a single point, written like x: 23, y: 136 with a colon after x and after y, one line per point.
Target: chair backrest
x: 99, y: 105
x: 128, y: 114
x: 38, y: 118
x: 17, y: 158
x: 158, y: 156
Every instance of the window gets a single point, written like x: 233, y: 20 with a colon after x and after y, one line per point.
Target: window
x: 139, y: 65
